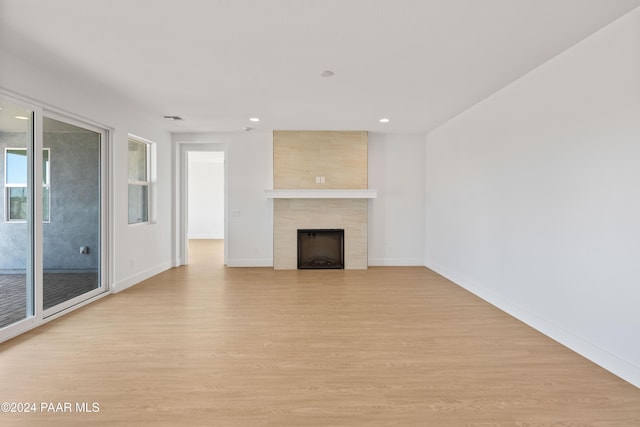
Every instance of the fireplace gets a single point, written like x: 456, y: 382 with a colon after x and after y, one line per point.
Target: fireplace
x: 321, y: 249
x: 293, y: 214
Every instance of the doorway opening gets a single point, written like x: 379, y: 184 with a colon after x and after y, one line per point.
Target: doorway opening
x: 199, y: 152
x: 205, y: 203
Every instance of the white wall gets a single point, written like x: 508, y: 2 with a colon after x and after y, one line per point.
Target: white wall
x: 138, y: 251
x: 396, y: 217
x: 206, y: 195
x: 533, y: 198
x: 249, y: 164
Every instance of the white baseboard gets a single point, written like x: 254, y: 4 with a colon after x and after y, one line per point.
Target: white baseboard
x: 396, y: 262
x: 250, y: 262
x: 139, y: 277
x: 623, y: 368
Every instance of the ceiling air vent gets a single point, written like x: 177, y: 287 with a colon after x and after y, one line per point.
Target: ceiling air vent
x: 175, y: 118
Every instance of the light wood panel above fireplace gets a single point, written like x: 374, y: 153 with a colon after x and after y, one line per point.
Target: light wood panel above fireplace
x: 300, y: 157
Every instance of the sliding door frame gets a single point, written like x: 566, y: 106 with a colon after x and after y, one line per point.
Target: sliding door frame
x: 103, y: 282
x: 32, y: 272
x: 38, y: 316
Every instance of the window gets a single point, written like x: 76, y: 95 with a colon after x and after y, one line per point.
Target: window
x: 139, y: 178
x: 16, y: 184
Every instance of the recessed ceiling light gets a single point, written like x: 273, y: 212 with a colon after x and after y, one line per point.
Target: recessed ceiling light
x: 22, y: 118
x: 327, y: 73
x: 254, y: 119
x: 175, y: 118
x: 384, y: 120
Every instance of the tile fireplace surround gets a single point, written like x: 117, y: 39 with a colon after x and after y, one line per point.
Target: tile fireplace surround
x: 293, y: 214
x: 299, y: 202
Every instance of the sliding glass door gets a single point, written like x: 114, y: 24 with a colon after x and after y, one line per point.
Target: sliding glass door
x: 53, y: 214
x: 72, y: 225
x: 16, y: 224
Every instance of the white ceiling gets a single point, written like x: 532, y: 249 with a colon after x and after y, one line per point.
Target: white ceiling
x: 218, y: 62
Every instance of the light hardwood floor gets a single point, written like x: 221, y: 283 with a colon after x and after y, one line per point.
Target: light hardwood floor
x: 209, y: 345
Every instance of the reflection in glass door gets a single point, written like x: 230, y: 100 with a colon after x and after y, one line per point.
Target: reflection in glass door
x: 72, y: 214
x: 16, y: 230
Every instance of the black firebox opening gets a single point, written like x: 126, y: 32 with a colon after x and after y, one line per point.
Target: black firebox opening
x: 321, y: 248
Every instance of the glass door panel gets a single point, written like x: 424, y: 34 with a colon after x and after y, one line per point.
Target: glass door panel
x: 71, y: 183
x: 16, y: 230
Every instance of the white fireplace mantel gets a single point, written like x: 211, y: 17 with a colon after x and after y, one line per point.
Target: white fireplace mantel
x: 321, y: 194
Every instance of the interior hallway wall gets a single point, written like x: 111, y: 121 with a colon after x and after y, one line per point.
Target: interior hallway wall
x: 206, y: 195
